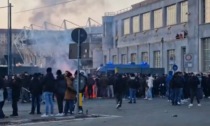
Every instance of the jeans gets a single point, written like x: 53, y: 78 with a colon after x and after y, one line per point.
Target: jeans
x: 48, y: 96
x: 175, y: 95
x: 110, y: 91
x: 69, y: 105
x: 132, y: 94
x: 35, y: 103
x: 149, y: 92
x: 180, y: 95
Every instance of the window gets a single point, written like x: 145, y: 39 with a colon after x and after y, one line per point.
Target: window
x: 114, y: 59
x: 206, y: 54
x: 158, y: 18
x: 156, y: 59
x: 126, y: 26
x: 105, y: 59
x: 207, y: 11
x: 184, y: 11
x: 146, y: 21
x: 144, y: 57
x: 170, y: 58
x: 123, y: 58
x: 133, y: 57
x: 171, y: 15
x: 136, y: 24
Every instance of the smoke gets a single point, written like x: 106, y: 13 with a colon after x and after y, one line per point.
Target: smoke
x: 75, y: 9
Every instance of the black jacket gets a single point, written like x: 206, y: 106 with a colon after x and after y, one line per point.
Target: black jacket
x: 16, y: 87
x: 119, y: 85
x: 133, y: 83
x: 48, y: 83
x: 60, y: 85
x: 35, y: 87
x: 193, y: 82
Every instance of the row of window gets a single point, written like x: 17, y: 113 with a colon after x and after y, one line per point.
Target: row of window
x: 145, y: 58
x: 171, y: 14
x: 133, y: 25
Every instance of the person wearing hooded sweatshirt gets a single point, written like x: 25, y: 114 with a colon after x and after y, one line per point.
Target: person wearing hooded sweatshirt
x: 133, y: 86
x: 60, y: 88
x: 48, y: 90
x: 168, y: 89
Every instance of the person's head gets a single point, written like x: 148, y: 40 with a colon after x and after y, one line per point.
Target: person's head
x: 49, y: 70
x: 59, y: 72
x: 68, y: 74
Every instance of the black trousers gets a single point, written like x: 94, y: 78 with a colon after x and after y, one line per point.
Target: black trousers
x: 60, y: 99
x: 193, y: 93
x: 35, y: 103
x: 1, y: 110
x: 15, y: 106
x: 119, y: 99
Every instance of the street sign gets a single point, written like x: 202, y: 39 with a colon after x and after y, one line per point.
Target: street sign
x: 175, y: 67
x: 79, y: 35
x: 188, y: 57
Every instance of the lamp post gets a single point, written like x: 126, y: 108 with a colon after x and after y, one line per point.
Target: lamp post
x: 9, y: 40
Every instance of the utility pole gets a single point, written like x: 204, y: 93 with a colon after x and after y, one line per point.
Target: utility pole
x: 9, y: 40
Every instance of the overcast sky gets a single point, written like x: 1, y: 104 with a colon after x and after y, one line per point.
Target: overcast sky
x: 77, y: 11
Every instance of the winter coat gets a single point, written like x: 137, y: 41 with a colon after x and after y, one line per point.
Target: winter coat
x: 193, y: 82
x: 60, y: 85
x: 70, y: 93
x: 133, y: 83
x: 35, y: 87
x: 16, y: 87
x: 48, y: 83
x: 119, y: 85
x: 177, y: 82
x: 104, y: 81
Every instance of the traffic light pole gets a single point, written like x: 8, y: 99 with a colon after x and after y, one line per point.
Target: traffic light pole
x: 78, y: 71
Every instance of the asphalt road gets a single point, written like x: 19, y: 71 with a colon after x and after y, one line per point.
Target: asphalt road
x: 157, y: 112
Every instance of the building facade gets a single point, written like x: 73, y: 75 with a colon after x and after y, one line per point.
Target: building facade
x: 160, y: 32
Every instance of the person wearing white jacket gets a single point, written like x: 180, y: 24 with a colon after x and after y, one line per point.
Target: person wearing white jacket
x: 149, y: 87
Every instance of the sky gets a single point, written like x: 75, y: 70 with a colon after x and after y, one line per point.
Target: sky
x: 76, y: 11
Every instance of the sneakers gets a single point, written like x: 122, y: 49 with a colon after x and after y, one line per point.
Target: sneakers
x: 118, y: 106
x: 199, y: 105
x: 59, y: 114
x: 190, y: 105
x: 44, y: 116
x: 80, y: 112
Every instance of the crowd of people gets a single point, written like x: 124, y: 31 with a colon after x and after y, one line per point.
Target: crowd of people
x: 177, y: 88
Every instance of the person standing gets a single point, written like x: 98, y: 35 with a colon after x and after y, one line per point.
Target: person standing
x: 133, y: 86
x: 195, y: 84
x: 60, y: 91
x: 70, y: 94
x: 149, y: 87
x: 16, y: 87
x: 48, y: 89
x: 90, y: 83
x: 35, y: 88
x: 3, y: 97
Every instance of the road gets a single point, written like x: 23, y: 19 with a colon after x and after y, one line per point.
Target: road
x: 157, y: 112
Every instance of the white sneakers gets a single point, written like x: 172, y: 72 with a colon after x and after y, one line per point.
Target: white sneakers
x: 59, y: 114
x: 191, y: 105
x: 45, y: 115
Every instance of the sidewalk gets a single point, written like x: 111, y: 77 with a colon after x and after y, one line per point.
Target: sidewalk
x: 25, y: 117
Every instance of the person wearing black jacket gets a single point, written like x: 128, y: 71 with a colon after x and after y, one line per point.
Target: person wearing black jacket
x: 3, y: 97
x: 60, y: 87
x: 133, y: 86
x: 16, y: 87
x: 119, y: 89
x: 48, y: 90
x: 195, y: 83
x: 35, y: 88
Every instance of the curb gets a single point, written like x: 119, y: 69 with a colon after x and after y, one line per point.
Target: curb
x: 25, y: 121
